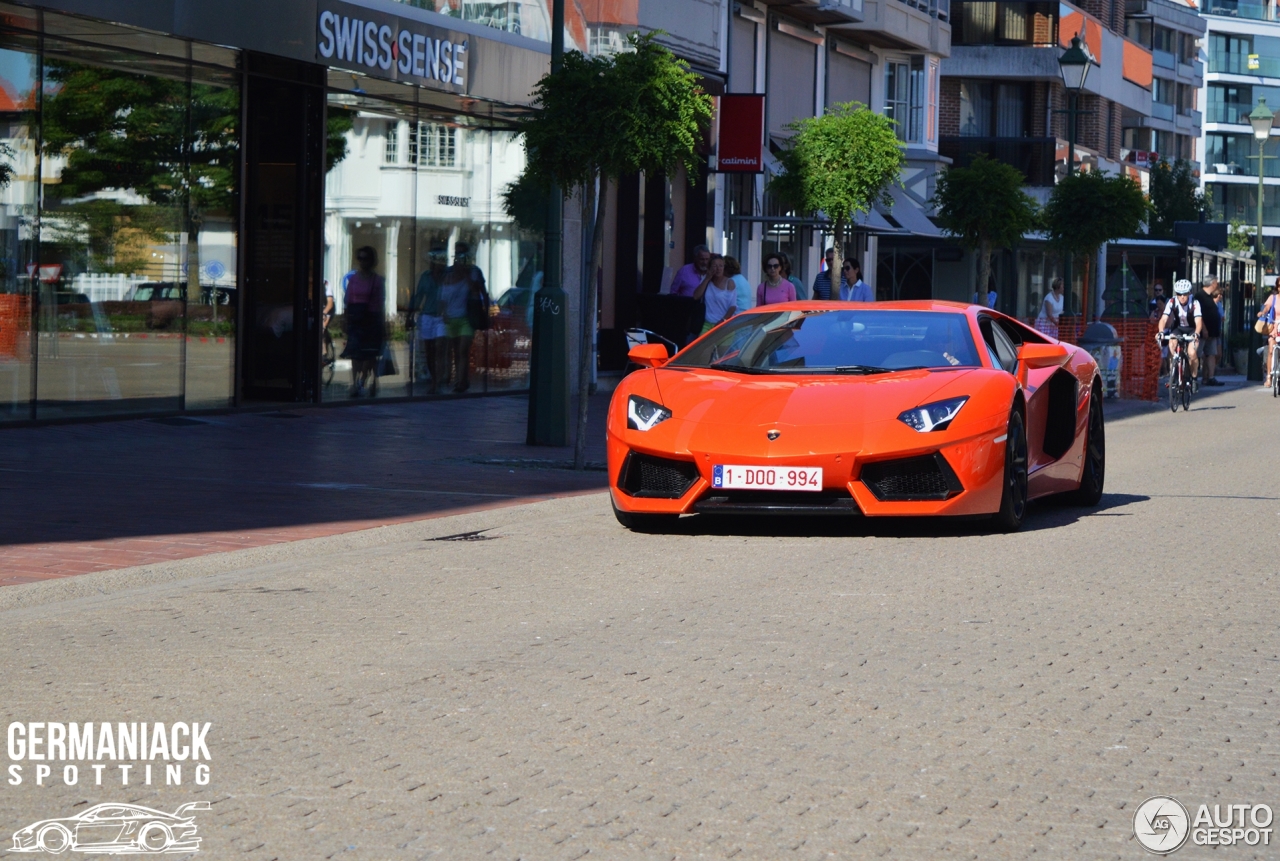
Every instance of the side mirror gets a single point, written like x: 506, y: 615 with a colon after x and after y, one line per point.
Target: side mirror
x: 648, y: 355
x: 1034, y: 356
x: 1043, y: 355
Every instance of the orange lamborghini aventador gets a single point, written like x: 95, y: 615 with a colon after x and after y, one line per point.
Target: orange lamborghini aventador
x: 896, y: 408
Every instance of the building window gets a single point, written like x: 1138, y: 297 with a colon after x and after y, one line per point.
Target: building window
x: 985, y: 22
x: 904, y: 97
x: 434, y: 145
x: 989, y: 109
x: 391, y: 152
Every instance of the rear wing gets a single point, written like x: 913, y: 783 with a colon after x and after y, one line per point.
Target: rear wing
x: 182, y: 811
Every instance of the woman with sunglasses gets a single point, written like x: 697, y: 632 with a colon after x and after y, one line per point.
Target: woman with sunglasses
x: 774, y: 288
x: 852, y: 287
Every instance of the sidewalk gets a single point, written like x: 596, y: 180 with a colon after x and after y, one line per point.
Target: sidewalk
x: 96, y: 497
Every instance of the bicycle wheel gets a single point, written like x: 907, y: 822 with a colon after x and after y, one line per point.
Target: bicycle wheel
x: 1275, y: 373
x: 1186, y: 382
x: 1175, y: 383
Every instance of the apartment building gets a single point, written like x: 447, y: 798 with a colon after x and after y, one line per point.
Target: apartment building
x: 1173, y: 32
x: 1242, y: 52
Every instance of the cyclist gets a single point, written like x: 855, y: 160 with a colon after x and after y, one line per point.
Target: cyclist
x: 1182, y: 317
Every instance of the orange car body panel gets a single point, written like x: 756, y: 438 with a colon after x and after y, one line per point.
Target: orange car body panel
x: 841, y: 423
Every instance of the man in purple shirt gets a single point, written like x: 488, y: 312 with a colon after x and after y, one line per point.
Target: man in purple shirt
x: 691, y: 275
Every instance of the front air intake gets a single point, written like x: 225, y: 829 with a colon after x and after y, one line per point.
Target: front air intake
x: 644, y: 475
x: 928, y: 477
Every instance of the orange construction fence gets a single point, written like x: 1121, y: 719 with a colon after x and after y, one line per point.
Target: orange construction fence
x: 1138, y: 356
x: 15, y: 323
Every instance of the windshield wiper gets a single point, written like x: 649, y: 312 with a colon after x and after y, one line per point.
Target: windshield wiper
x: 738, y: 369
x: 862, y: 369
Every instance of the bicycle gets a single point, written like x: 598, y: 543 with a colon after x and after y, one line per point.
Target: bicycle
x: 1180, y: 378
x: 1275, y: 368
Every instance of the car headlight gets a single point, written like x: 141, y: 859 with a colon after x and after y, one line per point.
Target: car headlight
x: 933, y: 417
x: 643, y: 414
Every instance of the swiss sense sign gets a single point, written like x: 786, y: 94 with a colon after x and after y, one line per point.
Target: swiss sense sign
x: 740, y: 147
x: 387, y: 46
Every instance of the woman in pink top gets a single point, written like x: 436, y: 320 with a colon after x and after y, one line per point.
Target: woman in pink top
x: 774, y: 288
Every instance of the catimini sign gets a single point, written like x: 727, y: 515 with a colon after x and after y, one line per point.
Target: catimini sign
x: 387, y: 46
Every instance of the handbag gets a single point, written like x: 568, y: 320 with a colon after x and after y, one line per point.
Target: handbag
x: 386, y: 366
x: 1260, y: 327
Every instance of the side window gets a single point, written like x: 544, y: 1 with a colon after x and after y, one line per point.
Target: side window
x: 1003, y: 353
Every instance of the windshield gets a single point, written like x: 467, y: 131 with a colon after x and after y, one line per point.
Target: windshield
x: 835, y: 342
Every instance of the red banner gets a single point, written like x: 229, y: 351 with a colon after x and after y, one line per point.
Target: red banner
x: 740, y: 144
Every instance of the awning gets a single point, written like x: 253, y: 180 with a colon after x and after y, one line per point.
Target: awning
x: 907, y: 212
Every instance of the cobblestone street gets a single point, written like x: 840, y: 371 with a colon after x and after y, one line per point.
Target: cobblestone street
x: 556, y: 687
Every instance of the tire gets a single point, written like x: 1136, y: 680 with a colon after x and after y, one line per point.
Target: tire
x: 54, y: 839
x: 644, y: 522
x: 329, y: 360
x: 1089, y: 493
x: 155, y: 837
x: 1175, y: 384
x: 1186, y: 390
x: 1013, y: 499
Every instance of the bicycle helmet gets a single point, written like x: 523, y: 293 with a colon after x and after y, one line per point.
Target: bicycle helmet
x: 1182, y: 287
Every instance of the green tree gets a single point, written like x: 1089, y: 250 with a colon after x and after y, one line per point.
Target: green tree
x: 598, y: 119
x: 1086, y: 210
x: 841, y: 164
x: 984, y: 207
x: 1175, y: 196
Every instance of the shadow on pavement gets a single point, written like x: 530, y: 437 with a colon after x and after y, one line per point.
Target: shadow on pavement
x: 1044, y: 514
x: 254, y: 471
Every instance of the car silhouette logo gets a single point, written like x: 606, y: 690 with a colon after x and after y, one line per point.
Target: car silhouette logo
x: 114, y: 829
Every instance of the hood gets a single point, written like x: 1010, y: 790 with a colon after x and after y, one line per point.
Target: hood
x: 715, y: 401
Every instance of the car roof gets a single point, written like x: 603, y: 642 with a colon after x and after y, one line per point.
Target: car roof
x: 904, y: 305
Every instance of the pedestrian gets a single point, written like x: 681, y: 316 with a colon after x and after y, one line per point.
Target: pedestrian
x: 719, y: 296
x: 1211, y: 348
x: 364, y: 305
x: 774, y: 288
x: 746, y: 297
x: 802, y: 292
x: 1051, y: 309
x: 692, y: 276
x: 1156, y: 305
x: 463, y: 288
x: 853, y: 288
x: 426, y: 304
x: 1269, y: 316
x: 989, y: 301
x: 822, y: 281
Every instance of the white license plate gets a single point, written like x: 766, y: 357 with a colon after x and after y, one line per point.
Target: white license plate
x: 767, y: 477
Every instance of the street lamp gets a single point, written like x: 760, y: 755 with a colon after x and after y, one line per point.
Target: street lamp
x: 1074, y: 65
x: 1261, y: 118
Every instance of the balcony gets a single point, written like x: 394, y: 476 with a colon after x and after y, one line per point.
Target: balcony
x: 1243, y: 64
x: 1161, y: 111
x: 1235, y: 113
x: 1034, y: 157
x: 1251, y: 9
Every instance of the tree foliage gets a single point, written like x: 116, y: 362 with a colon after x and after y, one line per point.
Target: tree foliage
x: 598, y: 119
x: 841, y: 164
x: 1086, y: 210
x: 984, y: 207
x: 1175, y: 196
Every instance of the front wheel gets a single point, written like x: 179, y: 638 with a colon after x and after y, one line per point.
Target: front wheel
x: 1013, y: 501
x: 1175, y: 383
x: 643, y: 522
x: 1089, y: 493
x: 1186, y: 387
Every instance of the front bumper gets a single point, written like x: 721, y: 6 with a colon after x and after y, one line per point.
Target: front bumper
x: 970, y: 471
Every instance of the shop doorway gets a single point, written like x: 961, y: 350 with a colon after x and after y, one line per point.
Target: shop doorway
x: 284, y: 170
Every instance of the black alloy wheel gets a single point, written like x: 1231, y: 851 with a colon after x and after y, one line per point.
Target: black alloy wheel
x: 644, y: 522
x: 1089, y: 493
x: 1013, y: 502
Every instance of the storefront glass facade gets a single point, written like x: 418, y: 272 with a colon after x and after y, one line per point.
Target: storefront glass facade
x: 122, y: 155
x: 425, y: 190
x: 176, y: 215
